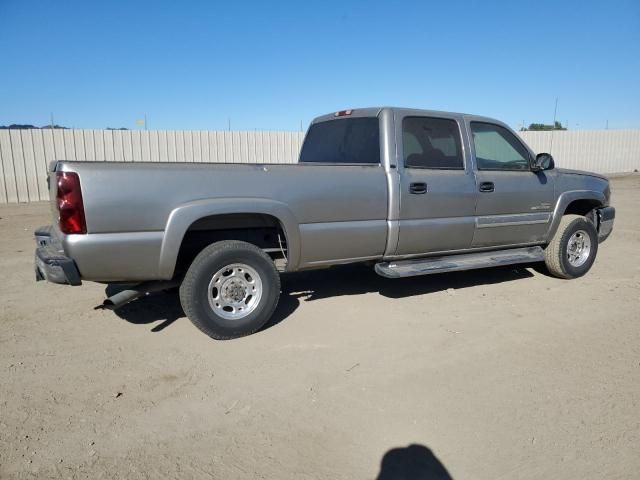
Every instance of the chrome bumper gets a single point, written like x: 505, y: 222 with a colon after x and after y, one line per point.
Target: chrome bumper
x: 51, y: 264
x: 605, y: 217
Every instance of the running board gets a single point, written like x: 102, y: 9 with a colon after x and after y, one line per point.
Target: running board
x: 452, y: 263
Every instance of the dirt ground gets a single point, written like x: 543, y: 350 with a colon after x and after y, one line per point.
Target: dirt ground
x: 494, y: 374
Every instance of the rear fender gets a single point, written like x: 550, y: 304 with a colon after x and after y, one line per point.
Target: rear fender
x: 182, y: 217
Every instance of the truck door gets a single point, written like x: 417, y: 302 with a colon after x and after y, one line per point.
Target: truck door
x: 437, y: 186
x: 514, y: 203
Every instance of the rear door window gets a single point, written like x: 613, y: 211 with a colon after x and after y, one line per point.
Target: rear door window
x: 432, y: 143
x: 343, y: 141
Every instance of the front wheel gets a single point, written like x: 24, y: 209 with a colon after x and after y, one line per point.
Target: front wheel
x: 573, y: 249
x: 230, y: 290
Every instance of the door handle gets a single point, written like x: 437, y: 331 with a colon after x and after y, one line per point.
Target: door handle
x: 487, y: 187
x: 418, y: 188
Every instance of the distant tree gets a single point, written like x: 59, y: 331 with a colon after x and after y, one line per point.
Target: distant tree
x: 537, y: 127
x: 18, y: 126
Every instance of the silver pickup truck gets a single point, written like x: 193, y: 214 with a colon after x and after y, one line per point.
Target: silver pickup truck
x: 412, y: 192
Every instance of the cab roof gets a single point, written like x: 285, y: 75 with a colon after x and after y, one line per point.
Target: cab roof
x: 402, y: 111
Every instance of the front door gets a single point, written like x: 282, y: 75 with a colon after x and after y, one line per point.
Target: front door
x: 437, y: 187
x: 514, y: 203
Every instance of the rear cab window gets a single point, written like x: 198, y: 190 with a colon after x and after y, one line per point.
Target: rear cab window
x: 345, y: 141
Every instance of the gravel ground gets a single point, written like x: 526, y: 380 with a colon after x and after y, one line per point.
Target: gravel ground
x: 494, y: 374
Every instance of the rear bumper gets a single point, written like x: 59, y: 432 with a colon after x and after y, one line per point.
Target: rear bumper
x: 51, y: 263
x: 606, y: 216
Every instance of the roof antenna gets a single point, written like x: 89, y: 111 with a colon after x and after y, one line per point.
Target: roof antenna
x: 553, y: 127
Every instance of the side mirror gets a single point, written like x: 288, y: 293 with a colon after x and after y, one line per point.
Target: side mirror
x: 543, y: 161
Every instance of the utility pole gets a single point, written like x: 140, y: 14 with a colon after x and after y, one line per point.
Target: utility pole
x: 52, y: 124
x: 229, y: 124
x: 555, y: 111
x: 145, y: 122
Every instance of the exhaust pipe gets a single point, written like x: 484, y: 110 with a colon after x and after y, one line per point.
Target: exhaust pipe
x: 125, y: 296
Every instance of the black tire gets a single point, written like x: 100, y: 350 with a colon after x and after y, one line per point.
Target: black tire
x: 556, y: 255
x: 194, y: 291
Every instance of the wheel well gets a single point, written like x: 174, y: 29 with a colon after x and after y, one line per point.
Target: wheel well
x: 581, y: 207
x: 262, y: 230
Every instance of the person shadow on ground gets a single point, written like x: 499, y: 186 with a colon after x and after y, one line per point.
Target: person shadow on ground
x: 415, y: 462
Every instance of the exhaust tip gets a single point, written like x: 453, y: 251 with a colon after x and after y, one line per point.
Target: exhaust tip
x: 122, y: 298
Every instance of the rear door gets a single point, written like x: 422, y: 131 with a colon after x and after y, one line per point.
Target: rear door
x: 341, y: 199
x: 437, y: 186
x: 514, y: 203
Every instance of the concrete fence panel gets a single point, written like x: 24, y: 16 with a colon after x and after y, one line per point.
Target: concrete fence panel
x: 601, y: 151
x: 25, y: 154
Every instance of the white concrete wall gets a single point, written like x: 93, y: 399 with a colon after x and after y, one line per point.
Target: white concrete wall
x: 25, y: 154
x: 601, y: 151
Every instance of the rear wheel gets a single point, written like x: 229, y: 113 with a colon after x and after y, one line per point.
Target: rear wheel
x: 230, y: 290
x: 573, y: 249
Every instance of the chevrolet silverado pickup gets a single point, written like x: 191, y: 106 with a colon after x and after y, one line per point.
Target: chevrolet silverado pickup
x: 411, y: 192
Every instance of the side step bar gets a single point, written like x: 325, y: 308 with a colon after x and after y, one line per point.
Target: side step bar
x: 452, y: 263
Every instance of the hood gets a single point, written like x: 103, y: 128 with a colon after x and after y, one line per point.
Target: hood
x: 581, y: 172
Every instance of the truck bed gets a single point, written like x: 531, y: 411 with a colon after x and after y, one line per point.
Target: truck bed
x: 129, y: 206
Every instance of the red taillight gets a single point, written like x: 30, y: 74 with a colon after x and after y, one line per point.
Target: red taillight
x: 69, y: 203
x: 343, y: 113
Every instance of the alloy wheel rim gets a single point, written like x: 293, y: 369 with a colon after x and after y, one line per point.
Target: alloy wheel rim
x: 578, y: 248
x: 235, y: 291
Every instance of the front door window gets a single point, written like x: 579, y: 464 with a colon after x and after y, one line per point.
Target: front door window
x: 497, y: 148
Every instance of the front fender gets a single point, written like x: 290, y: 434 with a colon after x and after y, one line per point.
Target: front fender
x: 564, y: 199
x: 181, y: 218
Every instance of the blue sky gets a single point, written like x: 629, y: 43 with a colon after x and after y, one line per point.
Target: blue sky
x: 272, y: 65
